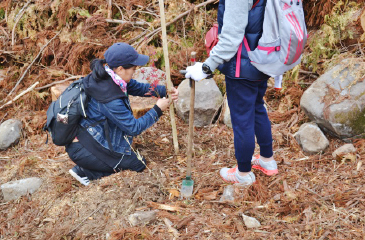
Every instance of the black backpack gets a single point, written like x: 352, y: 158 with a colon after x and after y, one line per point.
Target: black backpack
x: 64, y: 114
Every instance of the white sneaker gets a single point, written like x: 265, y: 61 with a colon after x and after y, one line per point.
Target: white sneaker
x: 269, y: 168
x: 231, y: 175
x: 77, y: 173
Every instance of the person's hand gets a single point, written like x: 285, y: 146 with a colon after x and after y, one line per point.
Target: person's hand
x: 196, y: 72
x: 174, y: 93
x: 163, y: 103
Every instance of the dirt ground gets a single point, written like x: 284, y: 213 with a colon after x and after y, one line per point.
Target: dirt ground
x: 46, y: 41
x: 312, y: 197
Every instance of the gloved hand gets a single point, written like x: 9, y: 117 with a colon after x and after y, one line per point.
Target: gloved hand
x: 196, y: 72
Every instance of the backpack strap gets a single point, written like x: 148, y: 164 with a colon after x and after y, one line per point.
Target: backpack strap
x: 239, y: 52
x: 254, y: 5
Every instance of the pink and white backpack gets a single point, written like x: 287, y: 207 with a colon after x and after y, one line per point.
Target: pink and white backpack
x: 283, y: 38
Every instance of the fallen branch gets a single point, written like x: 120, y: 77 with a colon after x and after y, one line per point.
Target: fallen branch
x: 16, y: 22
x: 21, y: 94
x: 141, y: 23
x: 30, y: 65
x: 58, y: 82
x: 5, y: 33
x: 174, y: 20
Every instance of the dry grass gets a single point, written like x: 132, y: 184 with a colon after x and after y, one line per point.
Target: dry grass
x: 313, y: 197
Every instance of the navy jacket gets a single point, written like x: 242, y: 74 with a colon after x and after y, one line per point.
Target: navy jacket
x: 109, y: 103
x: 253, y: 33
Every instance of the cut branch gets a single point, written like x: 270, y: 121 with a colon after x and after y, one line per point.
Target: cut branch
x: 30, y: 65
x: 58, y: 82
x: 140, y: 23
x: 21, y: 94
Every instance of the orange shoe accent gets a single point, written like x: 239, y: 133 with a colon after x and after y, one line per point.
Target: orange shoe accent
x: 231, y: 171
x: 267, y: 172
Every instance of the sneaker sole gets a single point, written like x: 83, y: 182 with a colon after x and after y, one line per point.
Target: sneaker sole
x: 267, y: 172
x: 227, y: 181
x: 77, y: 177
x: 235, y: 182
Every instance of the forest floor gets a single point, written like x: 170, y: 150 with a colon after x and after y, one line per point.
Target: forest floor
x: 312, y: 197
x: 45, y: 41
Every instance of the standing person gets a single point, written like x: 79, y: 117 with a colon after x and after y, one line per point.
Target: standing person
x: 103, y: 143
x: 245, y: 86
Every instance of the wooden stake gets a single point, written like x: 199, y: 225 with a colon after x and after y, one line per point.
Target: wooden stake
x: 110, y: 9
x: 191, y: 118
x: 168, y: 77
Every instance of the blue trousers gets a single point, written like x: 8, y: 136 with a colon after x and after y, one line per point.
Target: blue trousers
x: 249, y: 119
x: 94, y: 168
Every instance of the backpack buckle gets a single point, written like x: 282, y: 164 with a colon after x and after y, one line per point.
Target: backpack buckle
x: 277, y: 48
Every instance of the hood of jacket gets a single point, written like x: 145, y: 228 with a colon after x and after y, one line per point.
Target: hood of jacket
x: 104, y: 90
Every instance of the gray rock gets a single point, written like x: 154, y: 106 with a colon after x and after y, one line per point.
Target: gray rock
x: 15, y: 189
x: 227, y: 114
x: 208, y: 99
x: 142, y: 217
x: 347, y: 148
x: 251, y: 222
x: 311, y: 138
x: 336, y: 101
x: 10, y: 132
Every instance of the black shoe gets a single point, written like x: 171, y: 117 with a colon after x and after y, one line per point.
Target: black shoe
x: 80, y: 176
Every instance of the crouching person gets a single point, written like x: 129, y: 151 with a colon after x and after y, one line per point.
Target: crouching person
x: 103, y: 143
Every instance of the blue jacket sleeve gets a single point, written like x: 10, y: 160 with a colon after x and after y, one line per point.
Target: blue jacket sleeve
x: 136, y: 88
x: 117, y: 112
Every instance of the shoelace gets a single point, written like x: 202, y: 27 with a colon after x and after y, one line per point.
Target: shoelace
x: 85, y: 179
x: 231, y: 175
x: 256, y: 160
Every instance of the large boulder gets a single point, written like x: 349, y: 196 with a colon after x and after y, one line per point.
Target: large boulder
x: 336, y: 101
x: 10, y: 132
x: 208, y: 99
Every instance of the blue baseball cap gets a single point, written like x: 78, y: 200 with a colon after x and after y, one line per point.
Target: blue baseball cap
x: 122, y: 54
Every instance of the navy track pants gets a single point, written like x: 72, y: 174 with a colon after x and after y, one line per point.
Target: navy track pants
x: 249, y: 119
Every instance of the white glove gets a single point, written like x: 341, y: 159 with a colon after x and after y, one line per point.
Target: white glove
x: 278, y: 80
x: 195, y: 72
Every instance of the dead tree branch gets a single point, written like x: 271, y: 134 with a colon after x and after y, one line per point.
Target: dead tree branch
x: 21, y: 94
x: 22, y: 11
x: 174, y: 20
x: 58, y: 82
x: 30, y: 65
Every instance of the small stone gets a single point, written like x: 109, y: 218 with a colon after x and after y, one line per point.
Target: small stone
x: 277, y: 197
x: 343, y: 150
x: 15, y: 189
x: 142, y: 217
x: 10, y: 132
x: 250, y: 222
x: 311, y: 138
